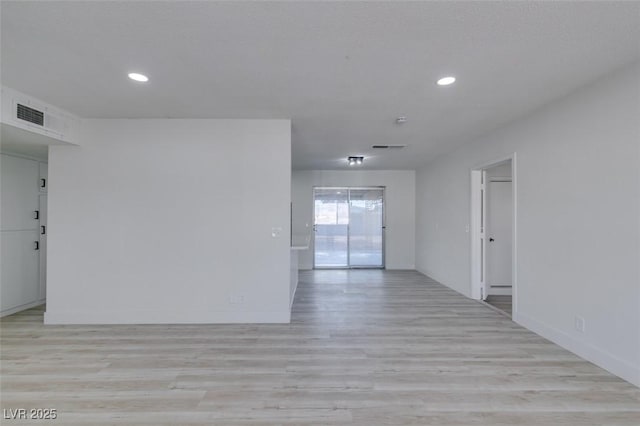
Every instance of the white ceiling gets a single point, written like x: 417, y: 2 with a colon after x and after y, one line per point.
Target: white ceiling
x: 342, y: 71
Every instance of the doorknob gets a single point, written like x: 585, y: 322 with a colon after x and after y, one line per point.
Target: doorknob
x: 491, y: 240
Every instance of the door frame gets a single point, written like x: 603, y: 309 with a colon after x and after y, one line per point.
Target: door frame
x: 478, y: 226
x: 384, y: 226
x: 43, y: 230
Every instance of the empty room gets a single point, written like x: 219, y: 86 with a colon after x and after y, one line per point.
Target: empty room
x: 320, y: 212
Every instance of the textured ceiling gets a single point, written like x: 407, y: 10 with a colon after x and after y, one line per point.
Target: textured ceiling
x: 342, y: 71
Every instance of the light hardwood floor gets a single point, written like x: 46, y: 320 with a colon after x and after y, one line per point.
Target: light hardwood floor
x: 364, y: 347
x: 502, y: 303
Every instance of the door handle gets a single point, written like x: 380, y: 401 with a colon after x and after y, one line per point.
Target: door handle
x: 36, y: 245
x: 43, y: 183
x: 491, y: 240
x: 43, y: 230
x: 36, y: 214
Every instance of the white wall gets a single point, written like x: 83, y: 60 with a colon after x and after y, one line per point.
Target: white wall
x: 578, y: 228
x: 501, y: 170
x: 19, y: 260
x: 170, y: 221
x: 399, y: 208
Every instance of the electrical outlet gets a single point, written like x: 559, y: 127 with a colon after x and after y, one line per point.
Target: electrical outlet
x: 276, y: 232
x: 579, y: 324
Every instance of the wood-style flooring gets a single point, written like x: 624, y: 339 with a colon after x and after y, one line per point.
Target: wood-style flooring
x: 365, y: 347
x: 500, y: 302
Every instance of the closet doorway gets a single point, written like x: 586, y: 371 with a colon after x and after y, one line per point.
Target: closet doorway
x: 348, y: 227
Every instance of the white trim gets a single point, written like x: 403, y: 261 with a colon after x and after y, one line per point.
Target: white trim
x: 474, y: 235
x: 167, y: 317
x: 514, y: 241
x: 25, y: 157
x: 619, y: 367
x: 293, y: 294
x: 21, y: 308
x: 294, y: 276
x: 495, y: 162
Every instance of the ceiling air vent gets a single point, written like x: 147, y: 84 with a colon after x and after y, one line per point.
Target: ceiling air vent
x: 31, y: 115
x: 388, y: 146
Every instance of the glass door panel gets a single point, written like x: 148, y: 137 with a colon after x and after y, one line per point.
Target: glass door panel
x: 366, y: 221
x: 331, y: 223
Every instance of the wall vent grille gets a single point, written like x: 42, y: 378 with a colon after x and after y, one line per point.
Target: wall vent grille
x: 388, y: 146
x: 31, y: 115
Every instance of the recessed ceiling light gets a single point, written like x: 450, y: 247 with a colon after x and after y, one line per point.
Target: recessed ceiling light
x: 445, y: 81
x: 138, y: 77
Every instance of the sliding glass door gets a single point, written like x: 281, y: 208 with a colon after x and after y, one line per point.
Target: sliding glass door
x: 349, y: 227
x: 366, y: 228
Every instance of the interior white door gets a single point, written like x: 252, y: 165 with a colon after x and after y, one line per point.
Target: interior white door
x: 499, y: 217
x: 43, y: 247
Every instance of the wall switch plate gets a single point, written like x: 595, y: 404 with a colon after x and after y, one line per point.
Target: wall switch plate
x: 276, y: 232
x: 579, y: 324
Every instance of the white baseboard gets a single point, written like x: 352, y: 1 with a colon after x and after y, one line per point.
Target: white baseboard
x: 20, y: 308
x: 599, y: 357
x: 621, y: 368
x: 293, y: 294
x: 166, y: 317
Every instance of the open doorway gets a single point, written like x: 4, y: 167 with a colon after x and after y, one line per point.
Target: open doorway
x: 493, y: 234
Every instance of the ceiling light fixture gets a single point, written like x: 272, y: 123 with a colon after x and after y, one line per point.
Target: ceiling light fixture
x: 445, y: 81
x: 353, y: 161
x: 138, y: 77
x: 401, y: 120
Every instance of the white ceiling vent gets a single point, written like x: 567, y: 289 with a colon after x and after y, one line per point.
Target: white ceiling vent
x: 41, y: 117
x: 397, y: 146
x: 30, y: 114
